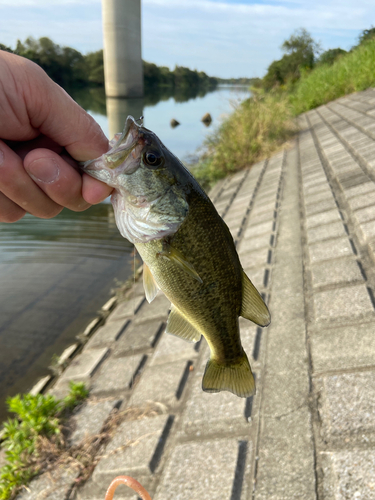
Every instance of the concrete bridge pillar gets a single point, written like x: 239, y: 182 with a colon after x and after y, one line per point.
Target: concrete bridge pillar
x: 122, y: 48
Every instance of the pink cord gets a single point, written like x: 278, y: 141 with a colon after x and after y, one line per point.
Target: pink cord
x: 129, y: 481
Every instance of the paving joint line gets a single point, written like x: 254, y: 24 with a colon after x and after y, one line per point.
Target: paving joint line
x: 368, y: 133
x: 245, y: 220
x: 363, y: 257
x: 263, y: 350
x: 362, y: 163
x: 235, y: 193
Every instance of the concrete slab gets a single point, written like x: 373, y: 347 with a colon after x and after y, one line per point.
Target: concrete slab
x: 172, y: 348
x: 139, y: 337
x: 365, y: 214
x: 351, y: 474
x: 116, y: 375
x: 258, y: 258
x: 343, y: 303
x: 211, y: 414
x: 336, y: 272
x: 322, y: 206
x: 348, y: 404
x: 326, y: 232
x: 322, y: 195
x: 256, y: 242
x: 322, y: 218
x: 283, y: 441
x: 362, y: 189
x: 330, y: 249
x: 362, y: 201
x: 158, y: 309
x: 194, y: 468
x: 161, y: 384
x: 134, y: 449
x: 107, y: 334
x: 55, y: 485
x: 366, y: 231
x: 89, y: 420
x: 347, y: 347
x: 84, y: 366
x: 127, y: 309
x: 285, y: 431
x: 258, y: 229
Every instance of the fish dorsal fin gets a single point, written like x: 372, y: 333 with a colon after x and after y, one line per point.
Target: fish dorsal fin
x: 178, y: 325
x: 253, y: 306
x: 149, y: 284
x: 179, y: 259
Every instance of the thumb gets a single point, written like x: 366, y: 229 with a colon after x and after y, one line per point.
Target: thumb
x: 55, y: 114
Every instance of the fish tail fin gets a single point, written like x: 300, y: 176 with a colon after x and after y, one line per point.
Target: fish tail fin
x: 234, y: 377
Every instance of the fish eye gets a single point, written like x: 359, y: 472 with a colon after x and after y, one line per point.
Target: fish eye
x: 153, y: 159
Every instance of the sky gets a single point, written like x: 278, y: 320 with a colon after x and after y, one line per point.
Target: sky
x: 224, y: 38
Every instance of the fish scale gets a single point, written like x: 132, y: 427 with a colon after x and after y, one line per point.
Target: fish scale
x: 187, y: 250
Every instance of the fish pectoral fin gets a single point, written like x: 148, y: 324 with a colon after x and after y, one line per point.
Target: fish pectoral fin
x: 178, y: 325
x: 235, y: 377
x: 253, y: 306
x: 178, y: 258
x: 149, y: 284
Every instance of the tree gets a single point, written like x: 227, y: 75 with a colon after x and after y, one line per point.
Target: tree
x: 301, y: 51
x: 366, y: 35
x: 330, y: 56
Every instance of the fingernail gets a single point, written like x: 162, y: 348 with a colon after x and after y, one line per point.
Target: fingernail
x: 44, y: 170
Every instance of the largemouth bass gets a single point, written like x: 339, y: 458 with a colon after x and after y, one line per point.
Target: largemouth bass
x: 187, y: 250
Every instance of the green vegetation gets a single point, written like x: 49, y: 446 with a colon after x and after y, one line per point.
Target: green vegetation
x: 255, y: 129
x: 351, y: 72
x: 298, y: 82
x: 37, y: 418
x: 300, y: 53
x: 69, y: 68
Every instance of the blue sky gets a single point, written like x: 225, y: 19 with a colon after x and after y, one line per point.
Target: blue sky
x: 226, y: 38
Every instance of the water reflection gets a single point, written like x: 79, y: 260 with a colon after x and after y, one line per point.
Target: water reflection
x: 54, y: 274
x: 118, y: 109
x: 68, y: 237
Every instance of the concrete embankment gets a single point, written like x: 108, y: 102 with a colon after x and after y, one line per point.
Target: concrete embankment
x: 304, y: 224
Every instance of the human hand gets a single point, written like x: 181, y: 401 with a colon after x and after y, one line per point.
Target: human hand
x: 43, y: 134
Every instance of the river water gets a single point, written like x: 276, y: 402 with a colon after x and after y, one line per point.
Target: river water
x: 55, y: 274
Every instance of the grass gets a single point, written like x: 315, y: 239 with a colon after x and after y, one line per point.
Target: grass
x: 260, y: 125
x: 256, y: 128
x: 350, y: 73
x: 38, y: 419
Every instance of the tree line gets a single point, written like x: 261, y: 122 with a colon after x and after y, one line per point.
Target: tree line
x: 69, y: 68
x: 301, y: 54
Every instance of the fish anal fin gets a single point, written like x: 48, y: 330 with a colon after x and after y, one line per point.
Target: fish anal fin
x: 175, y: 256
x: 179, y: 326
x: 253, y: 306
x: 235, y: 377
x: 149, y: 284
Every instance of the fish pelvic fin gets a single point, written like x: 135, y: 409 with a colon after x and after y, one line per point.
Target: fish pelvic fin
x: 179, y: 326
x: 235, y: 377
x: 253, y: 306
x: 149, y: 284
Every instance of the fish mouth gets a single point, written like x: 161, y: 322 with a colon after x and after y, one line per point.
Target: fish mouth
x: 122, y: 148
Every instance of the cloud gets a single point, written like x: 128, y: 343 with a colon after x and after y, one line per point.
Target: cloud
x: 222, y: 38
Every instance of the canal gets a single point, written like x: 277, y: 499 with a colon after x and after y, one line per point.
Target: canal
x: 56, y: 274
